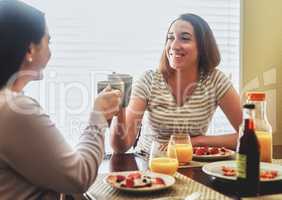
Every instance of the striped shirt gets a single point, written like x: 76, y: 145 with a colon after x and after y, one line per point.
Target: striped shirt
x: 164, y: 117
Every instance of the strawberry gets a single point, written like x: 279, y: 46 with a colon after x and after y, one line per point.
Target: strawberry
x: 129, y: 183
x: 134, y: 175
x: 159, y: 181
x: 200, y: 151
x: 213, y: 150
x: 119, y: 178
x: 274, y: 173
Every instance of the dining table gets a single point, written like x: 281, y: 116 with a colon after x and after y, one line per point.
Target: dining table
x: 132, y: 161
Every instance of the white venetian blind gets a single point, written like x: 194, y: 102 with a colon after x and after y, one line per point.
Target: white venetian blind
x: 91, y: 38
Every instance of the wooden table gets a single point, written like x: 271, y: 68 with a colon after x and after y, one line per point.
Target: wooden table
x: 128, y: 162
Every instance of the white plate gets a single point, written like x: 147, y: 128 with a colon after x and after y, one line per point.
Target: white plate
x: 215, y: 169
x: 169, y: 181
x: 228, y: 154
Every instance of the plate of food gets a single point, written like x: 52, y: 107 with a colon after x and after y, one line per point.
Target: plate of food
x: 137, y: 181
x: 227, y: 170
x: 212, y: 153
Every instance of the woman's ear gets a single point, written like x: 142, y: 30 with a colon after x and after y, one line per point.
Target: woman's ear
x: 30, y: 53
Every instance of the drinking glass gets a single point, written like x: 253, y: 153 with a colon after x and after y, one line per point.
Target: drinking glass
x: 160, y: 160
x: 127, y: 80
x: 115, y: 84
x: 182, y: 144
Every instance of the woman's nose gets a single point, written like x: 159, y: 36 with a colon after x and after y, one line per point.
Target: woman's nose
x: 175, y: 44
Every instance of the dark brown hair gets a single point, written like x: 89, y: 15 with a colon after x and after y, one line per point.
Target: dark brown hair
x: 20, y: 25
x: 208, y: 53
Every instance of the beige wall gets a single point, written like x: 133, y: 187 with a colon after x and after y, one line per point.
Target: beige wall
x: 261, y: 55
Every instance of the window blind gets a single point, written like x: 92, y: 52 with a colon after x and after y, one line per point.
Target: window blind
x: 91, y: 38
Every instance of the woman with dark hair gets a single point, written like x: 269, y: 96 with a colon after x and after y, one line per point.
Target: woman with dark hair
x: 35, y: 160
x: 182, y: 95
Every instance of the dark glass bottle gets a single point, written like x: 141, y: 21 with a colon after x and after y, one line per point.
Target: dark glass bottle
x: 248, y: 155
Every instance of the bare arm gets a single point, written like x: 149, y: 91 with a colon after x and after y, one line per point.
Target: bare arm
x: 230, y: 104
x: 126, y: 125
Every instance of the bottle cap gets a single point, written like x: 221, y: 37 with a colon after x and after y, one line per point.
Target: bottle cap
x: 256, y: 96
x: 249, y: 106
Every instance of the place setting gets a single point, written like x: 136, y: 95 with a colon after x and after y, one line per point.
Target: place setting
x: 160, y: 181
x: 205, y: 153
x: 227, y: 170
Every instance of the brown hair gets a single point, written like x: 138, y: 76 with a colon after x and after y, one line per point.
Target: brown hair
x: 208, y: 53
x: 20, y: 25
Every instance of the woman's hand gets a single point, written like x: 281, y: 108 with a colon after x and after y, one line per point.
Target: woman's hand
x: 196, y: 140
x: 108, y: 102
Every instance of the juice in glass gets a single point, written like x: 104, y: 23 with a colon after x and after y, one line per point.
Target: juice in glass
x: 265, y: 142
x: 183, y: 147
x: 184, y: 152
x: 163, y: 165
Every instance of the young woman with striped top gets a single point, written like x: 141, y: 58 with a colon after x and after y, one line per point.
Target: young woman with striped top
x: 182, y: 95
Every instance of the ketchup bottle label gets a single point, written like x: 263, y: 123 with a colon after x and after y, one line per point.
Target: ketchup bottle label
x: 241, y: 165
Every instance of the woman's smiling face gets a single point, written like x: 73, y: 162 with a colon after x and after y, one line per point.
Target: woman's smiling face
x: 181, y: 46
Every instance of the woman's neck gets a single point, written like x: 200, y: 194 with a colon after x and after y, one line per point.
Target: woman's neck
x: 185, y: 77
x: 183, y: 83
x: 18, y: 85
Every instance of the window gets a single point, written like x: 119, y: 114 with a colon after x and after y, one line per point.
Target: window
x: 91, y: 38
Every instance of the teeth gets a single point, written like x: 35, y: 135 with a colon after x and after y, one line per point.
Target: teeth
x: 176, y: 55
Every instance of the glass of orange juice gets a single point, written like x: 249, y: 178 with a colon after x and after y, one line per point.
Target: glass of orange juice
x: 160, y: 161
x: 183, y: 146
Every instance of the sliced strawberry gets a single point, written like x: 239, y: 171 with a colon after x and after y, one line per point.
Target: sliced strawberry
x: 229, y: 173
x: 206, y: 149
x: 268, y: 174
x: 129, y: 183
x: 195, y: 149
x: 200, y: 151
x: 274, y: 173
x: 120, y: 178
x: 134, y: 175
x: 159, y: 181
x: 213, y: 150
x: 225, y: 169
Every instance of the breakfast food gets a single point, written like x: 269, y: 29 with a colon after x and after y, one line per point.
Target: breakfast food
x: 228, y: 171
x: 135, y: 180
x: 264, y: 174
x: 199, y: 151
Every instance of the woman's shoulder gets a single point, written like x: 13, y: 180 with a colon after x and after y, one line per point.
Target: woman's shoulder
x: 149, y: 75
x: 216, y: 76
x: 20, y: 104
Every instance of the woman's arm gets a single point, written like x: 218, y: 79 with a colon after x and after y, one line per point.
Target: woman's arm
x: 230, y: 104
x: 40, y: 154
x: 126, y: 125
x: 36, y: 150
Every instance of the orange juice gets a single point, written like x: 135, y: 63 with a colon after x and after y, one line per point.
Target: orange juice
x: 163, y: 165
x: 265, y: 141
x: 184, y: 152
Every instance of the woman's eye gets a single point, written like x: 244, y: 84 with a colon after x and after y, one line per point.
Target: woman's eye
x: 186, y: 38
x: 170, y: 38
